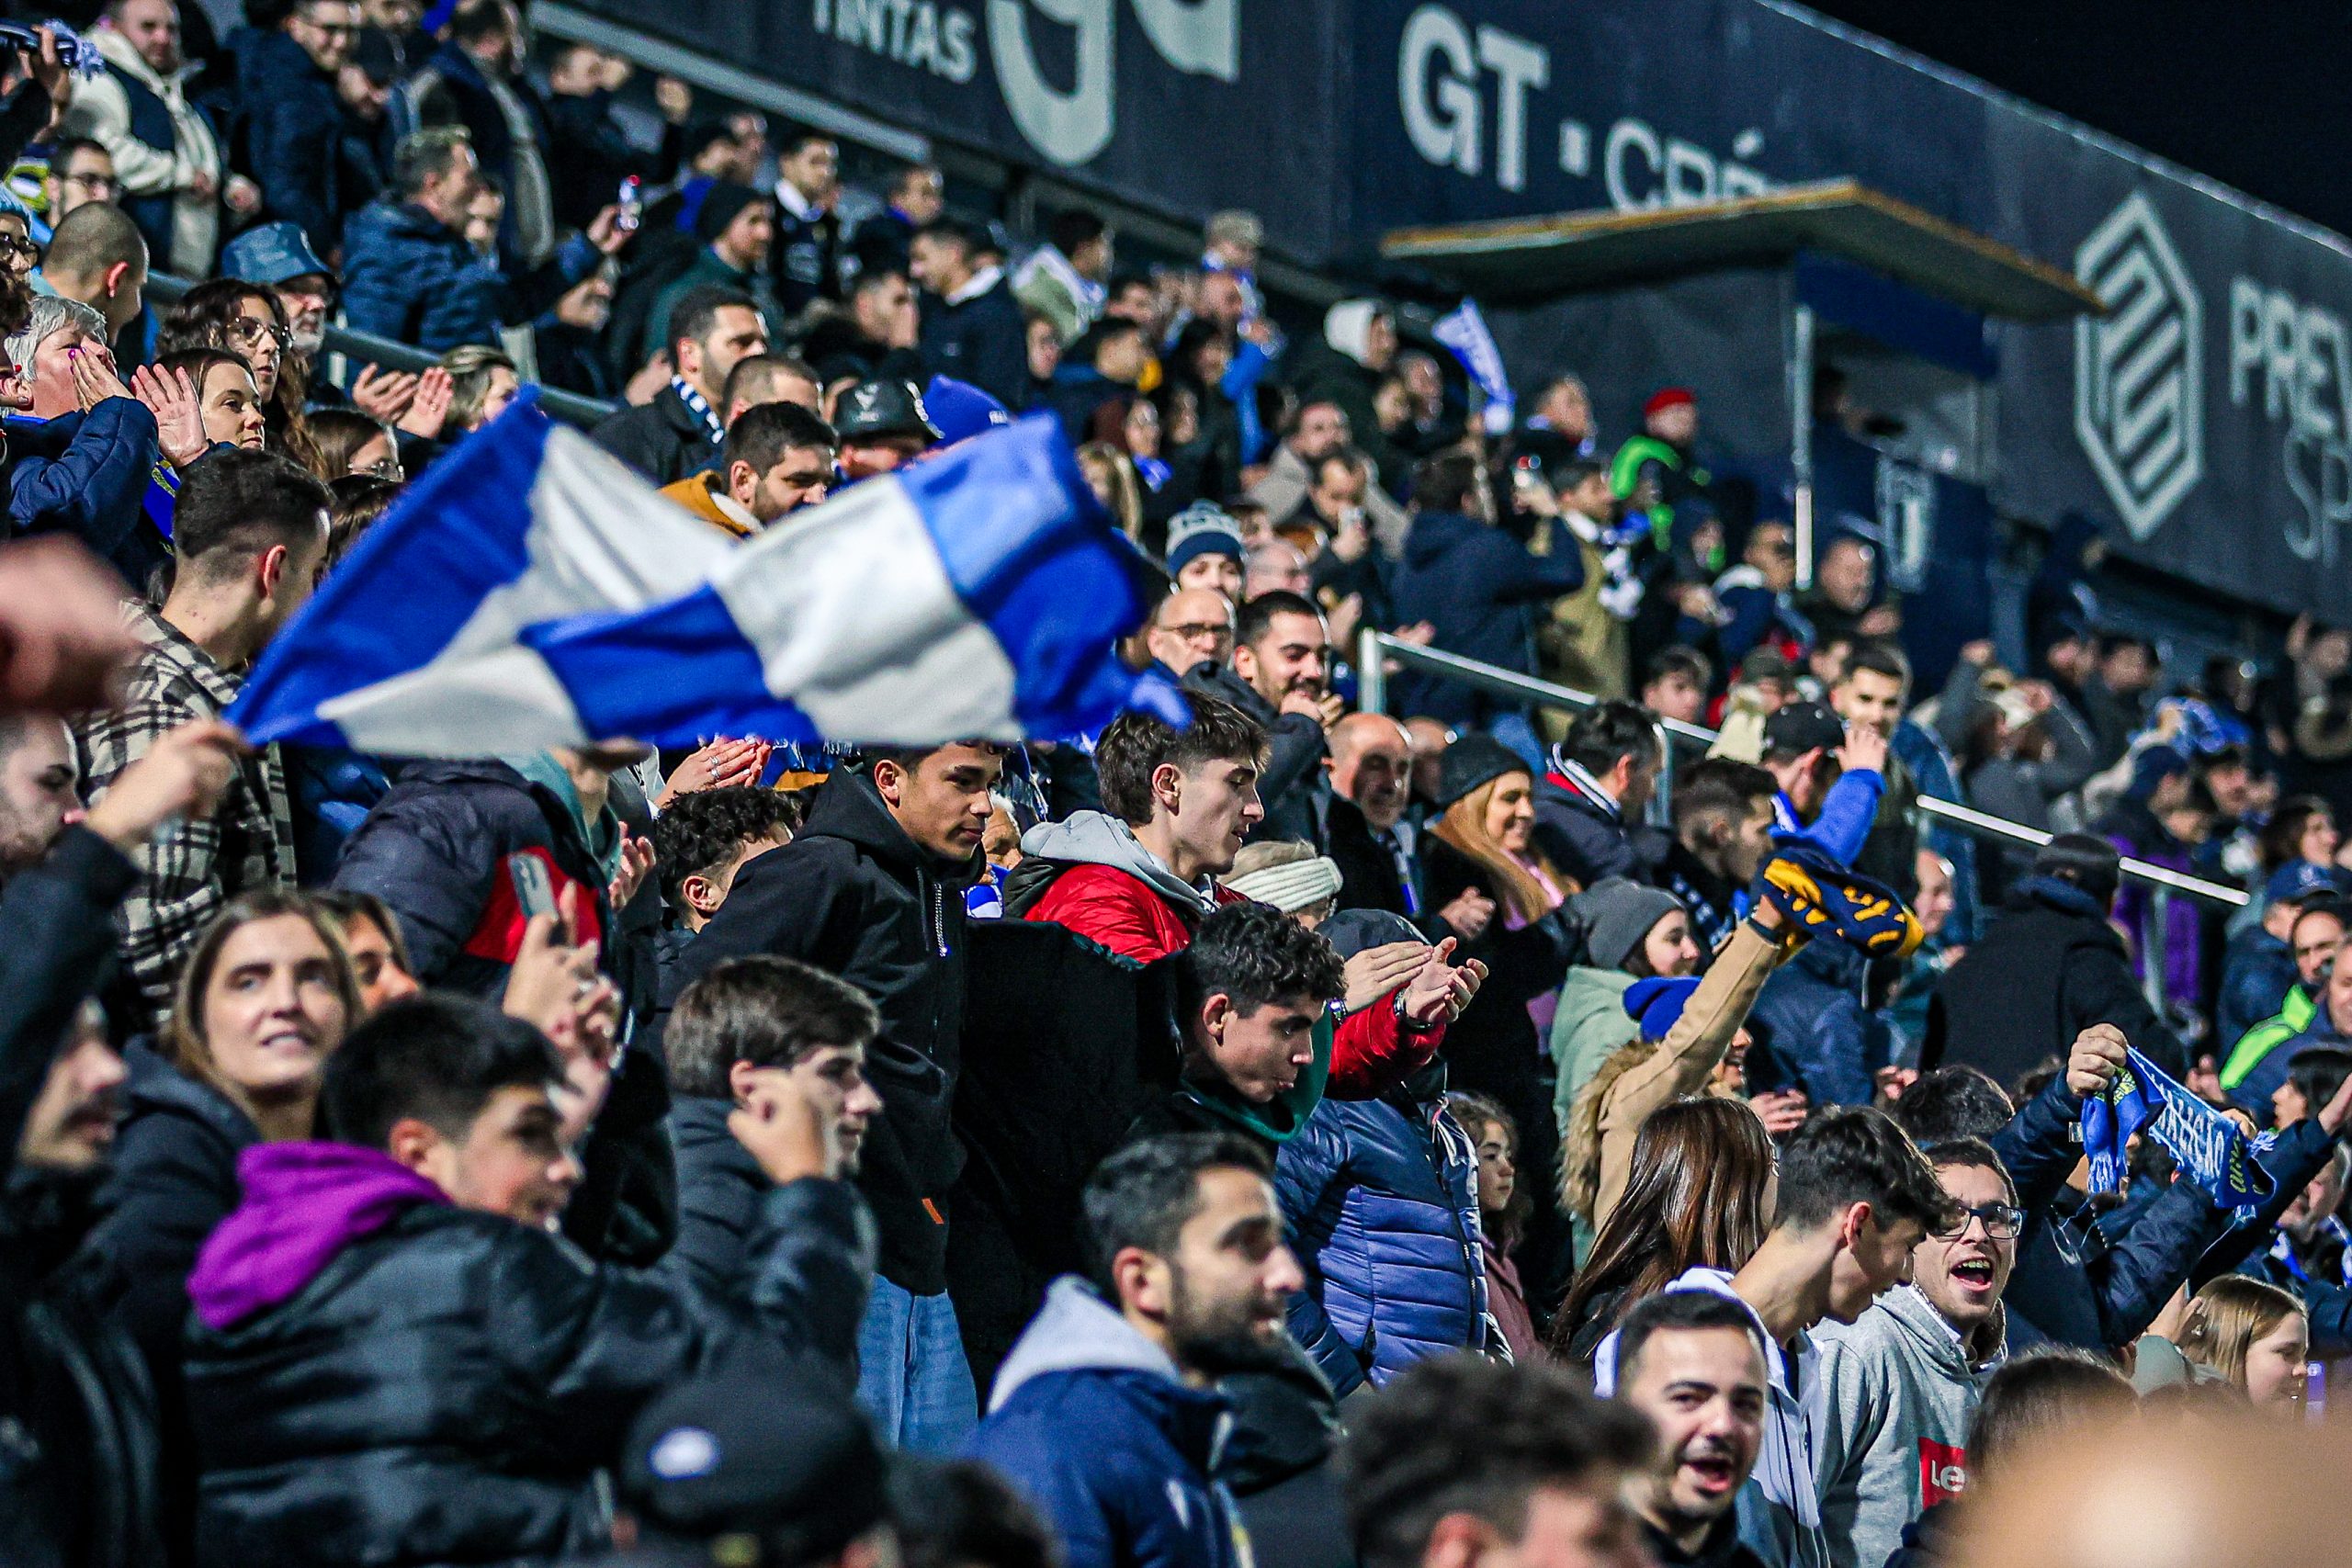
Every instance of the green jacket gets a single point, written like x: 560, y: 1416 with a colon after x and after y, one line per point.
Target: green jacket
x: 2293, y: 1018
x: 1589, y: 1027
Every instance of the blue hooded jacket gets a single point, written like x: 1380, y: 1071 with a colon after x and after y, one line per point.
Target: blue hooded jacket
x: 1478, y: 587
x: 1092, y: 1422
x: 1381, y: 1200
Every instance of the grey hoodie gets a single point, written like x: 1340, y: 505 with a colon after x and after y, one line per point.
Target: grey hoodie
x: 1077, y: 1330
x: 1900, y: 1395
x: 1097, y: 838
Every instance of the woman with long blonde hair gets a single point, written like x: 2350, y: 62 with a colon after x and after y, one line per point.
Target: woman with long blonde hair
x: 1500, y: 898
x: 2255, y: 1336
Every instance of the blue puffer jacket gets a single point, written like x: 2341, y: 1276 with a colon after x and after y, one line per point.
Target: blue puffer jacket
x: 1091, y: 1421
x: 86, y: 474
x: 411, y: 277
x: 1381, y: 1197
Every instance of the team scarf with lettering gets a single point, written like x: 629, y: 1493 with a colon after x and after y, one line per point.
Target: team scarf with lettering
x: 701, y: 409
x: 2210, y: 1147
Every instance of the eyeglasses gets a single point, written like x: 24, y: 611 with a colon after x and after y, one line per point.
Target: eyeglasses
x: 248, y: 332
x: 2002, y: 1222
x: 23, y: 250
x: 1196, y: 630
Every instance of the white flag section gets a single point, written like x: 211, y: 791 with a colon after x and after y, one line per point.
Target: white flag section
x: 1464, y: 331
x: 530, y: 591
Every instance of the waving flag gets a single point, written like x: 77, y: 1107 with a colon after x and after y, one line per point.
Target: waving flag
x: 2210, y: 1148
x: 1464, y: 331
x: 531, y: 592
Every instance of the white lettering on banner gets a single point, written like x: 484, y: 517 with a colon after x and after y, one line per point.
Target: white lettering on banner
x: 918, y: 33
x: 2302, y: 354
x: 1201, y: 38
x: 1643, y: 171
x: 2139, y: 370
x: 1440, y: 119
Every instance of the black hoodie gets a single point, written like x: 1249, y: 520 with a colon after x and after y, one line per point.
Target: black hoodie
x: 854, y: 896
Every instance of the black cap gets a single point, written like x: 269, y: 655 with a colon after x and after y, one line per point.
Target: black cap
x: 882, y: 407
x: 757, y: 1451
x: 1351, y: 932
x: 1797, y: 728
x: 1473, y: 761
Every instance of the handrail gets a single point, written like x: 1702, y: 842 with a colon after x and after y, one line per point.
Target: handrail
x: 367, y: 348
x: 1375, y: 648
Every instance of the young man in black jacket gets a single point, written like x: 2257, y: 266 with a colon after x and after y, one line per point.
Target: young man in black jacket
x: 1588, y: 807
x: 392, y: 1359
x: 872, y: 890
x: 734, y: 1033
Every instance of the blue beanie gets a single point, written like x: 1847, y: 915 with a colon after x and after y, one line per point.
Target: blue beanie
x: 1202, y: 529
x: 960, y: 410
x: 1655, y: 1004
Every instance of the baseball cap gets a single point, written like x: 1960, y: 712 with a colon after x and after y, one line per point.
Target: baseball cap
x: 962, y: 410
x: 2299, y: 880
x: 271, y: 254
x: 1795, y: 728
x: 888, y: 407
x: 759, y: 1451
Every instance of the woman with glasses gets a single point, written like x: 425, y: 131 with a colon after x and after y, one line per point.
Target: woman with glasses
x: 246, y: 320
x: 18, y: 254
x: 1901, y: 1384
x: 350, y: 442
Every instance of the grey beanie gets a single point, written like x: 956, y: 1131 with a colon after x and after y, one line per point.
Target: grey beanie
x: 1618, y: 913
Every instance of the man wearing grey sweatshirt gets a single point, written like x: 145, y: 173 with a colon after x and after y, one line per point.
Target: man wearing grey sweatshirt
x: 1900, y: 1385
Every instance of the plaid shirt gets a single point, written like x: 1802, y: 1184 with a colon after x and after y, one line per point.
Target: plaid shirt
x: 193, y: 867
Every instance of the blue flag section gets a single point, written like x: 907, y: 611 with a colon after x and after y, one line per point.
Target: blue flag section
x: 531, y: 592
x: 2213, y: 1150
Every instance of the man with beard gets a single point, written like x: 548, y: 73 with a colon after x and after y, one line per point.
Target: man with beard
x: 1103, y: 1414
x: 1281, y: 677
x: 1900, y: 1385
x: 38, y: 776
x: 1692, y: 1363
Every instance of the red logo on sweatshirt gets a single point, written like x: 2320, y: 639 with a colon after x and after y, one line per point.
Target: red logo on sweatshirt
x: 1943, y: 1472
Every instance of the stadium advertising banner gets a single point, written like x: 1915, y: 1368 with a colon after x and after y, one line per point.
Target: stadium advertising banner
x: 2209, y: 412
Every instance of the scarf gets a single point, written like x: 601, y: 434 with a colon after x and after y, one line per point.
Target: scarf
x: 2209, y: 1147
x: 701, y: 408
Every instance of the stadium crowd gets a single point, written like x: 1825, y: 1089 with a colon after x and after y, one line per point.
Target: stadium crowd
x: 1307, y: 1137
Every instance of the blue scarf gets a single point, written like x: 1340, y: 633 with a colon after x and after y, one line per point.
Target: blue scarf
x: 2209, y: 1147
x: 700, y: 406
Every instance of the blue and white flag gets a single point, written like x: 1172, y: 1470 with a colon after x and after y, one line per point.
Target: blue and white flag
x: 530, y: 591
x: 2211, y: 1150
x: 1464, y: 331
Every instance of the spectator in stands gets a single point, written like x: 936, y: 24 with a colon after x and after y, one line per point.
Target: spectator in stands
x: 1479, y: 588
x: 882, y: 426
x: 701, y: 839
x: 806, y: 255
x: 476, y: 82
x: 778, y: 459
x: 1503, y: 1208
x: 917, y: 195
x: 277, y: 256
x: 871, y: 891
x: 97, y: 257
x: 1633, y: 933
x: 1845, y: 582
x: 1377, y: 1198
x: 1901, y: 1384
x: 1204, y: 551
x: 2048, y: 967
x: 1589, y: 802
x: 875, y: 338
x: 1467, y: 1462
x: 1280, y: 677
x: 2260, y: 968
x: 1345, y: 370
x: 437, y: 1203
x: 2256, y: 1065
x: 1675, y: 682
x: 1723, y: 830
x: 1855, y: 1198
x: 2256, y: 1337
x: 1831, y: 777
x: 1192, y: 626
x: 350, y: 444
x: 1098, y: 371
x: 1869, y: 694
x: 1691, y: 1361
x: 81, y: 464
x: 247, y: 321
x: 483, y: 381
x: 250, y: 533
x: 80, y: 172
x: 2323, y: 1041
x: 1062, y: 280
x: 409, y: 274
x: 80, y: 1402
x: 1097, y: 1415
x: 1756, y: 594
x: 971, y: 323
x: 589, y: 152
x: 771, y: 379
x: 2117, y: 689
x: 709, y: 332
x: 294, y: 124
x: 1370, y: 833
x: 1318, y: 429
x: 229, y: 404
x: 756, y: 1030
x: 2164, y: 815
x: 736, y: 226
x: 1656, y: 473
x: 166, y: 148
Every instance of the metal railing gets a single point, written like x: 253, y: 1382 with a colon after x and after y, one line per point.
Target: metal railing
x: 365, y: 348
x: 1375, y: 649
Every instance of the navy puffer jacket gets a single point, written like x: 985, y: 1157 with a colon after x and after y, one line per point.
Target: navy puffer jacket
x: 1381, y: 1197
